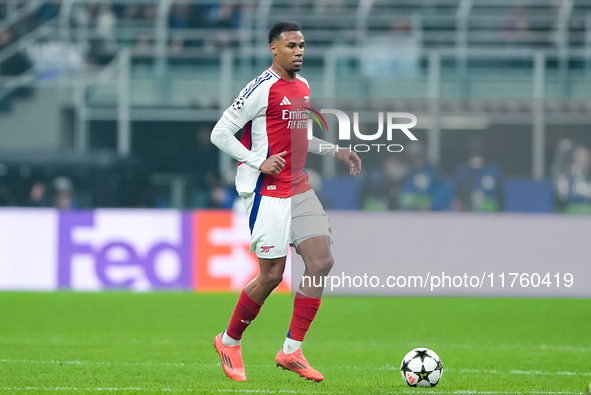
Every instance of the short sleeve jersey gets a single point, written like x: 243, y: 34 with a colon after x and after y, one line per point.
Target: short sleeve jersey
x: 273, y: 125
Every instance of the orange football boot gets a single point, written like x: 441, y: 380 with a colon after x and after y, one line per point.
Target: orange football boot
x: 231, y: 358
x: 296, y: 362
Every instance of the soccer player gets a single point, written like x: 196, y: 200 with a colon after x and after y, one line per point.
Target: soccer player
x: 282, y: 207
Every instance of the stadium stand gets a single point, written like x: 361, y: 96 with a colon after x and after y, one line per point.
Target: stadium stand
x: 128, y: 74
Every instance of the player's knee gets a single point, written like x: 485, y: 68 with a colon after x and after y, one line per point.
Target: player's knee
x: 272, y: 280
x: 327, y: 265
x: 322, y: 266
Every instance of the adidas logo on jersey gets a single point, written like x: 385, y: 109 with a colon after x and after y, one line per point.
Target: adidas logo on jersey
x: 285, y: 102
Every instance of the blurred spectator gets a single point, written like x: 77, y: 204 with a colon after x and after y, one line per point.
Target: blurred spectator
x: 144, y: 44
x: 223, y: 196
x: 25, y: 25
x: 561, y: 165
x: 403, y: 62
x: 223, y: 16
x: 17, y: 63
x: 38, y: 195
x: 149, y: 14
x: 47, y: 12
x: 177, y: 43
x: 203, y: 166
x: 328, y: 6
x: 104, y: 23
x: 52, y: 57
x: 419, y: 190
x: 572, y: 178
x: 144, y: 50
x: 381, y: 189
x: 63, y: 191
x: 4, y: 195
x: 477, y: 182
x: 175, y: 49
x: 97, y: 23
x: 180, y: 16
x: 79, y: 18
x: 517, y: 26
x: 131, y: 13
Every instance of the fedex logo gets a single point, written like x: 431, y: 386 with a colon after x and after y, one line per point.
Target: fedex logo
x: 143, y: 250
x: 124, y: 249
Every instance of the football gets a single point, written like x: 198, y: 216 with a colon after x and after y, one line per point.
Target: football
x: 421, y: 367
x: 588, y: 389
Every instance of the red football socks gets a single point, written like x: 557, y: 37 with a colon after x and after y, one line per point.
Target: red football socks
x: 245, y: 311
x: 304, y: 311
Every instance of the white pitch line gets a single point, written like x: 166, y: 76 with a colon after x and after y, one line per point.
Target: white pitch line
x: 514, y: 371
x: 171, y: 364
x: 108, y: 363
x: 144, y: 390
x: 545, y: 347
x: 169, y: 342
x: 467, y: 392
x: 263, y: 391
x: 98, y: 389
x: 521, y: 372
x: 414, y: 392
x: 244, y: 391
x: 387, y: 367
x: 564, y: 348
x: 476, y: 392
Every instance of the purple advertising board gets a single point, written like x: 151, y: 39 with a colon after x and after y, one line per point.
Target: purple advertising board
x: 139, y: 250
x: 376, y: 254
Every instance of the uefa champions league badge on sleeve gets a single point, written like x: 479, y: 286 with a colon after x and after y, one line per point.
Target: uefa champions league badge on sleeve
x: 238, y: 103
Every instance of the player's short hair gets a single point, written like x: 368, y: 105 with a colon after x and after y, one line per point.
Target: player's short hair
x: 281, y: 27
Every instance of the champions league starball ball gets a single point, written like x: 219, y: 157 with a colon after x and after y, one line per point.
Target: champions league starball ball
x: 421, y: 367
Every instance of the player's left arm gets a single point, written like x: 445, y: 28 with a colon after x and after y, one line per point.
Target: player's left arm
x: 351, y: 159
x: 322, y: 147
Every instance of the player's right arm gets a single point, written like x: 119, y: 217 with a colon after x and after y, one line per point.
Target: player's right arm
x: 250, y: 104
x: 223, y: 136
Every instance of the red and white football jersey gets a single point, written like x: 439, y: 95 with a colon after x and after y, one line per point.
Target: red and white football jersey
x: 272, y: 124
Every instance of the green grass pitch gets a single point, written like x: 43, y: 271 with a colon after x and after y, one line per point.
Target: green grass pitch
x: 162, y: 342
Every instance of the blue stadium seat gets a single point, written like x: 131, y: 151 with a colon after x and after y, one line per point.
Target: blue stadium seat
x: 529, y: 196
x: 340, y: 193
x: 444, y: 195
